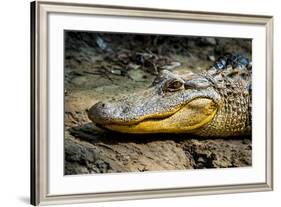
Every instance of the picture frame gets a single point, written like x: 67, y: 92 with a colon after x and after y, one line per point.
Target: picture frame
x: 41, y: 148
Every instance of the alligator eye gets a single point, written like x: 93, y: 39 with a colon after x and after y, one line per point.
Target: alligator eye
x: 173, y: 85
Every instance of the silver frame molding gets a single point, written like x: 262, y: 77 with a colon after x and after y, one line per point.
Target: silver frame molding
x: 39, y: 99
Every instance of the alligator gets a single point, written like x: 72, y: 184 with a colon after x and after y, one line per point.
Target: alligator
x: 215, y: 102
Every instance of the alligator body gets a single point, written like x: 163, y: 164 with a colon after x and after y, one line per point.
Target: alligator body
x: 216, y: 102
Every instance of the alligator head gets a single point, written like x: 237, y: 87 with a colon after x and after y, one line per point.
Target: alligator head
x: 188, y: 103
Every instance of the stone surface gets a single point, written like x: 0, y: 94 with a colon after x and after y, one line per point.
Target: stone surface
x: 91, y: 150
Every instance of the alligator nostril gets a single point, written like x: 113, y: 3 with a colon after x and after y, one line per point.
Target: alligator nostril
x: 102, y: 105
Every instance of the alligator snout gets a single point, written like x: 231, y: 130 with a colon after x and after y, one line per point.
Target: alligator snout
x: 110, y: 112
x: 101, y: 113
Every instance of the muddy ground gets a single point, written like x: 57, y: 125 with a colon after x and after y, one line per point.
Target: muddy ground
x: 99, y: 66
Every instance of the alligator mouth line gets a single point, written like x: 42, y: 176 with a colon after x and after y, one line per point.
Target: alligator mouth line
x: 182, y: 118
x: 149, y: 117
x: 136, y: 122
x: 132, y: 124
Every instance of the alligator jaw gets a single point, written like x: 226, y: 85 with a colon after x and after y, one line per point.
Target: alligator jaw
x: 189, y: 117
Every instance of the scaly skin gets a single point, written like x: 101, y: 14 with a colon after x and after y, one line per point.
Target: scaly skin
x: 213, y: 103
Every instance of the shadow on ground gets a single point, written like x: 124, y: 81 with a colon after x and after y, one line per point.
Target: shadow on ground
x: 89, y: 149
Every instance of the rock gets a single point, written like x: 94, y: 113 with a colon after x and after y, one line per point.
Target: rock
x: 133, y: 66
x: 83, y: 158
x: 80, y: 80
x: 207, y: 41
x: 96, y: 151
x: 101, y: 43
x: 212, y: 58
x: 210, y: 40
x: 219, y: 153
x: 171, y: 66
x: 116, y: 71
x: 137, y: 75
